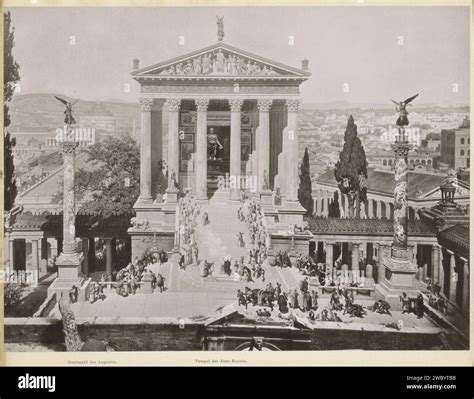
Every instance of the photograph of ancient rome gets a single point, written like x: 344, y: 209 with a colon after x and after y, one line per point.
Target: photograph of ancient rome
x: 236, y: 178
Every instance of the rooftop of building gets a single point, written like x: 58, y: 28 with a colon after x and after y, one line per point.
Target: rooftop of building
x: 380, y: 181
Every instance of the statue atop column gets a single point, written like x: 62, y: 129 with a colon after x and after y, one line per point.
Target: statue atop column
x: 220, y: 28
x: 398, y: 269
x: 402, y: 110
x: 213, y: 145
x: 69, y: 118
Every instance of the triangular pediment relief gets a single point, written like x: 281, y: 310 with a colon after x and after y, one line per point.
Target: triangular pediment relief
x: 221, y: 61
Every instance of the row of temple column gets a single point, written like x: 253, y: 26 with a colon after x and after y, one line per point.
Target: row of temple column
x: 457, y: 281
x: 372, y: 209
x: 287, y: 164
x: 430, y: 265
x: 45, y: 250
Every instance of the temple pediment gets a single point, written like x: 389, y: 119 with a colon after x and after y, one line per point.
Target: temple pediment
x: 220, y: 61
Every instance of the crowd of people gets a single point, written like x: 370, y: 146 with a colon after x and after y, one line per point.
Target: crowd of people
x: 435, y: 299
x: 188, y: 220
x: 412, y: 304
x: 341, y: 302
x: 255, y: 222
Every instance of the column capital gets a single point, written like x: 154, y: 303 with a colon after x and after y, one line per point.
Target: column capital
x: 293, y: 104
x: 264, y: 104
x: 236, y: 104
x: 145, y: 104
x: 69, y: 147
x: 202, y: 103
x: 173, y: 104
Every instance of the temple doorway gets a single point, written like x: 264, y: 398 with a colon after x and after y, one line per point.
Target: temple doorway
x: 218, y: 159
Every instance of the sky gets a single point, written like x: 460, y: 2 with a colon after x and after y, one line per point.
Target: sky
x: 377, y: 53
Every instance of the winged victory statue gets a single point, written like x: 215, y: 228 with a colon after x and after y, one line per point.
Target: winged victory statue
x: 69, y: 118
x: 402, y: 110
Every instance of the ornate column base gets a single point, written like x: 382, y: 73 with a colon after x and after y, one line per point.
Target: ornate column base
x: 400, y: 277
x: 171, y: 196
x: 69, y: 275
x: 290, y: 212
x: 266, y: 197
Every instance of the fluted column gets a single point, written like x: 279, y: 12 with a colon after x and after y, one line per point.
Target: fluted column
x: 379, y: 209
x: 325, y: 206
x: 173, y: 105
x: 145, y: 149
x: 453, y: 277
x: 34, y: 255
x: 441, y: 271
x: 370, y: 209
x: 355, y: 257
x: 200, y: 166
x: 91, y: 248
x: 235, y: 146
x: 263, y: 141
x: 86, y: 252
x: 465, y: 285
x: 292, y: 176
x: 317, y: 204
x: 11, y: 253
x: 435, y: 264
x: 346, y: 206
x: 330, y: 255
x: 108, y: 256
x: 341, y: 206
x: 387, y: 210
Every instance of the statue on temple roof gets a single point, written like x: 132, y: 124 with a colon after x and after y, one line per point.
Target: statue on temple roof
x: 220, y: 28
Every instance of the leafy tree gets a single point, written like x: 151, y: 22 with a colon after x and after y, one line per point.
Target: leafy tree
x: 305, y: 190
x: 11, y: 77
x: 351, y: 169
x: 12, y: 295
x: 111, y: 185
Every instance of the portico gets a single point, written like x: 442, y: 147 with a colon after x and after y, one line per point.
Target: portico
x: 218, y: 115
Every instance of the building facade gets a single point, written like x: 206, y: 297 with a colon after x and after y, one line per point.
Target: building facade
x: 218, y: 111
x: 455, y: 146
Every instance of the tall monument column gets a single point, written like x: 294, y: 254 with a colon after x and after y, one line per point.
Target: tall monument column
x: 70, y: 260
x: 173, y: 105
x: 291, y: 167
x: 235, y: 147
x: 400, y: 267
x: 263, y: 141
x: 200, y: 166
x: 145, y: 149
x: 400, y: 197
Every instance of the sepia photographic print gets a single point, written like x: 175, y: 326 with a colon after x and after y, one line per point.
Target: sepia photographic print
x: 220, y: 178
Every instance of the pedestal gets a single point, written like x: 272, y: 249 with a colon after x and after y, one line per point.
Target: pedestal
x: 266, y: 197
x: 400, y: 277
x: 171, y: 196
x: 69, y: 266
x: 290, y: 212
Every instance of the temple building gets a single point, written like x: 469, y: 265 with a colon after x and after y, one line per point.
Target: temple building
x: 228, y: 113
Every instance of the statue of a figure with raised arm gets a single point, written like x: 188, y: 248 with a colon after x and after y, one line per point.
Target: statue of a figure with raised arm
x: 213, y: 145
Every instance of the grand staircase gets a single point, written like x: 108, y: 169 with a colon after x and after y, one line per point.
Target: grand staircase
x: 219, y: 237
x: 218, y: 240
